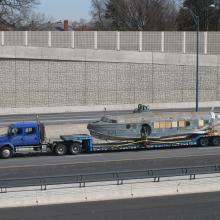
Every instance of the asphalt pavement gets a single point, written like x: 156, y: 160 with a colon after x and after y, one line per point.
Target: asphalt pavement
x: 45, y: 165
x: 59, y: 118
x: 184, y: 207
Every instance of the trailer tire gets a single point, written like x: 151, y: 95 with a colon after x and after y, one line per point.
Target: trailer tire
x: 203, y: 142
x: 215, y: 141
x: 60, y: 149
x: 75, y: 148
x: 6, y: 152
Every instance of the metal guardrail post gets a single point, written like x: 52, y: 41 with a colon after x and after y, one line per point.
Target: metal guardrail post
x: 43, y: 185
x: 184, y: 171
x: 150, y: 172
x: 157, y: 179
x: 3, y: 190
x: 192, y: 176
x: 81, y: 182
x: 119, y: 182
x: 217, y: 168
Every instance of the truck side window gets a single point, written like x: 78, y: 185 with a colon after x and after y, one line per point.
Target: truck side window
x: 29, y: 131
x: 16, y: 131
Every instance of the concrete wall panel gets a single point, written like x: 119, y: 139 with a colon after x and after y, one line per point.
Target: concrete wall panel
x: 45, y: 83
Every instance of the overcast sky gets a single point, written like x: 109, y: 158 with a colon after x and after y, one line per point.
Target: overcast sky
x: 66, y: 9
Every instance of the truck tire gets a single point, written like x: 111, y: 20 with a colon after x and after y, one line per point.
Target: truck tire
x: 203, y: 142
x: 216, y: 141
x: 6, y: 152
x: 60, y: 149
x: 75, y: 148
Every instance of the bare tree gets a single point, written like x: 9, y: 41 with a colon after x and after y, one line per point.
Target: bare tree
x: 209, y: 17
x: 13, y: 10
x: 98, y: 14
x: 134, y: 14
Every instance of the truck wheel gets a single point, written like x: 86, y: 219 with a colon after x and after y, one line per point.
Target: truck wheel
x: 75, y: 148
x: 6, y: 152
x: 203, y: 142
x: 216, y: 141
x: 60, y: 149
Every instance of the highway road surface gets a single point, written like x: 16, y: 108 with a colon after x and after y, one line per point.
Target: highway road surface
x: 75, y: 117
x: 35, y: 166
x: 59, y: 118
x: 184, y: 207
x: 46, y: 165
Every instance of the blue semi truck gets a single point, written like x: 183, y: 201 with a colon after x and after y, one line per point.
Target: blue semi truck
x: 30, y: 136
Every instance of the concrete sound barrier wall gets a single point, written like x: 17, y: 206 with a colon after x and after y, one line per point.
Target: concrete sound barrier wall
x: 47, y: 77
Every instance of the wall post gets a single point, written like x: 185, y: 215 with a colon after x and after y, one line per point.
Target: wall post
x: 184, y: 42
x: 205, y: 42
x: 26, y: 38
x: 140, y: 41
x: 162, y: 41
x: 49, y: 39
x: 95, y: 40
x: 72, y: 39
x: 118, y: 40
x: 3, y: 38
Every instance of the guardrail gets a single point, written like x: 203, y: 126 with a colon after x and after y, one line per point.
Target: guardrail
x: 118, y: 177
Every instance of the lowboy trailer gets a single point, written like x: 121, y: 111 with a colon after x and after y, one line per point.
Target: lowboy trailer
x: 30, y: 136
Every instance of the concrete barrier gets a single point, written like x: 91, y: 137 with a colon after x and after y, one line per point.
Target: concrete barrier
x: 105, y: 191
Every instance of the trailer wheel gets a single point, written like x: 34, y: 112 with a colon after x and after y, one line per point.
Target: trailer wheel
x: 203, y: 142
x: 75, y: 148
x: 60, y: 149
x: 6, y: 152
x: 216, y: 141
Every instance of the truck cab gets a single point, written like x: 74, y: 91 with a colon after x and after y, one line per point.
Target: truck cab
x: 21, y: 135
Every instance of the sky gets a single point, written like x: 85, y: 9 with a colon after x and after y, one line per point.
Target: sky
x: 65, y: 9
